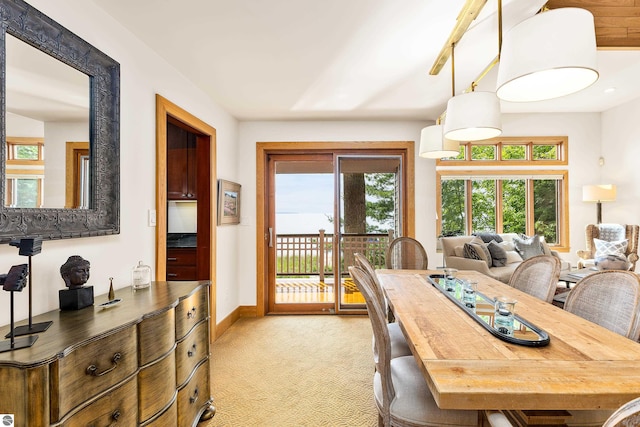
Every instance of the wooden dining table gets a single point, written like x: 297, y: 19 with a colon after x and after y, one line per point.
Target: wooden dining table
x: 584, y: 366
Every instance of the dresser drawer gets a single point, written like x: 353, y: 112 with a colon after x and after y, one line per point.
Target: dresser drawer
x: 190, y: 311
x: 92, y: 368
x: 117, y: 407
x: 191, y: 350
x: 156, y: 386
x: 194, y: 397
x: 167, y: 418
x: 156, y: 336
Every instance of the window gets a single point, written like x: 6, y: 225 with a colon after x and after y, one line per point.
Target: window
x: 25, y: 172
x: 506, y: 185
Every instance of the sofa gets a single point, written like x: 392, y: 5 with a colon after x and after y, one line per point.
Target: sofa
x: 478, y: 252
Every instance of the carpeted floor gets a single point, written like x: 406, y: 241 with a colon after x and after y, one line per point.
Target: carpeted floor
x: 294, y: 371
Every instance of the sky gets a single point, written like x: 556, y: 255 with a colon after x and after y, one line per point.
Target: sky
x: 304, y: 203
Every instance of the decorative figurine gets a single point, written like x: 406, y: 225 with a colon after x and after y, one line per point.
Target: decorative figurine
x: 29, y: 247
x: 15, y: 281
x: 75, y: 273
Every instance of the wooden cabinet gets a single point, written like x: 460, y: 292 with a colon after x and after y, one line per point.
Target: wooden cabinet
x: 182, y: 263
x: 181, y: 164
x: 142, y: 362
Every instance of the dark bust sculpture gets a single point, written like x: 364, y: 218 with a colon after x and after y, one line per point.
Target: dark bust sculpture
x: 75, y: 272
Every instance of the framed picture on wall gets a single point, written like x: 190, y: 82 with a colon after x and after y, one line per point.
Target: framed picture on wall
x: 228, y: 202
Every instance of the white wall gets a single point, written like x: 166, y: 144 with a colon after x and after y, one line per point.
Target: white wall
x: 143, y: 74
x: 621, y: 153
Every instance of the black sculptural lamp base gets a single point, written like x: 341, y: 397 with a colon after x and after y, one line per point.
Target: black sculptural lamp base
x: 34, y: 328
x: 8, y: 345
x: 76, y: 299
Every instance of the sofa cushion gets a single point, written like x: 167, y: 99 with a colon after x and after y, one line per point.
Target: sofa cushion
x: 477, y: 250
x: 498, y: 254
x: 529, y: 247
x: 603, y: 247
x: 513, y: 256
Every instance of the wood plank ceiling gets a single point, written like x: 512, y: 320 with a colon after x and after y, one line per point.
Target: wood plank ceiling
x: 617, y: 22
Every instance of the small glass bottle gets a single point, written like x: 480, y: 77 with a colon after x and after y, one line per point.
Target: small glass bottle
x: 141, y: 276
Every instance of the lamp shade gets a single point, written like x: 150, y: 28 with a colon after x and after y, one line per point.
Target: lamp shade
x: 599, y: 193
x: 473, y: 116
x: 549, y: 55
x: 434, y: 146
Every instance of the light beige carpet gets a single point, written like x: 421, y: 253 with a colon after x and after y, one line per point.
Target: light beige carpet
x: 294, y: 371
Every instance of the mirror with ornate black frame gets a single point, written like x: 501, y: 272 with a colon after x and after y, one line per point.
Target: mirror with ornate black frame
x: 99, y: 213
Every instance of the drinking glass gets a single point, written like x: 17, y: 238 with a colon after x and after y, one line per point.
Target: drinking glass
x: 450, y: 280
x: 504, y: 311
x: 469, y: 293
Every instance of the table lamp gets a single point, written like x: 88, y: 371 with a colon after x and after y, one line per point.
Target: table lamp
x: 599, y: 193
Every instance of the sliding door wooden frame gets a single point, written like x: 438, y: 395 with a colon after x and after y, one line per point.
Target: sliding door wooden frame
x: 264, y: 149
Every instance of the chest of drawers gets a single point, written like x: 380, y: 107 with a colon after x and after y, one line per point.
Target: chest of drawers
x: 144, y: 361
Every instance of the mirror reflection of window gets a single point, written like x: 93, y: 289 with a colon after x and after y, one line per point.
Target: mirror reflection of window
x: 24, y: 172
x: 77, y: 175
x: 49, y: 100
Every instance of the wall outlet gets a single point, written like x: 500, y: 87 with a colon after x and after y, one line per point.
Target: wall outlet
x: 152, y: 217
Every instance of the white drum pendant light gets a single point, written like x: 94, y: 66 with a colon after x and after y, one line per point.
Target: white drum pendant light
x: 433, y: 145
x: 549, y: 55
x: 473, y: 116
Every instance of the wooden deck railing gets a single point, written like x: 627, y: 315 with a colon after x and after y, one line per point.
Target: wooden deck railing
x: 312, y: 254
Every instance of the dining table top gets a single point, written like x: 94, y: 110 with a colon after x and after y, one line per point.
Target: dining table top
x: 584, y: 366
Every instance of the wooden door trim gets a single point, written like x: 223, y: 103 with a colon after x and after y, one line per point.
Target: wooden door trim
x: 167, y: 110
x: 263, y: 149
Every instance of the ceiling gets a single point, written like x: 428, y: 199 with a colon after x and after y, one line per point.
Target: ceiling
x: 359, y: 59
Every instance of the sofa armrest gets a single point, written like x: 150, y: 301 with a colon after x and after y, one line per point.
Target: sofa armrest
x: 461, y: 263
x: 564, y: 265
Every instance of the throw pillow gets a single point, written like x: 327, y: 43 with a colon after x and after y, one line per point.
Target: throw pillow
x: 477, y: 251
x: 513, y: 256
x: 612, y: 262
x: 488, y: 237
x: 603, y: 247
x: 611, y: 232
x: 528, y: 248
x: 498, y: 254
x: 507, y: 245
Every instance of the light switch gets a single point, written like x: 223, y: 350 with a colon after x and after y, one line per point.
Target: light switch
x: 152, y: 217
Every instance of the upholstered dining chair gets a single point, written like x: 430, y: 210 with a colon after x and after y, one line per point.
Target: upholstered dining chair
x: 400, y: 391
x: 609, y: 298
x: 537, y: 276
x: 399, y: 345
x: 406, y: 253
x: 625, y: 416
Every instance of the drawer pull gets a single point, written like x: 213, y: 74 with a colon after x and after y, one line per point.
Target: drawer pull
x: 93, y: 369
x: 115, y: 416
x: 171, y: 274
x: 192, y: 352
x: 191, y: 313
x: 194, y: 398
x: 172, y: 259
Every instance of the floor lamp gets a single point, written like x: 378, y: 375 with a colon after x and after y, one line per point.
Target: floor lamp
x: 599, y: 194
